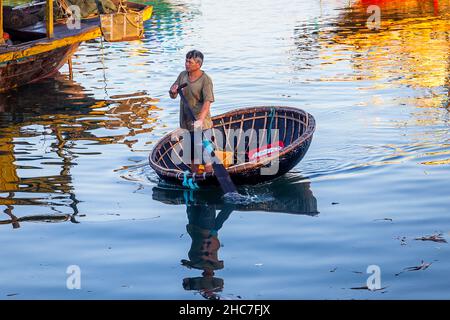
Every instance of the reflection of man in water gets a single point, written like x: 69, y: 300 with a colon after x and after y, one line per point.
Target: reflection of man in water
x: 203, y: 228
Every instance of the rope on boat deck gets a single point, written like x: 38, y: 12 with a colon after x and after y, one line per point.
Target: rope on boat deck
x: 189, y: 183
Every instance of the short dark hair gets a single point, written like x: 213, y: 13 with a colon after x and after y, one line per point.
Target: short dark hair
x: 196, y: 55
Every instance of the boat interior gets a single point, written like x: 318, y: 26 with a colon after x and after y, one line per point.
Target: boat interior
x: 26, y: 23
x: 20, y: 17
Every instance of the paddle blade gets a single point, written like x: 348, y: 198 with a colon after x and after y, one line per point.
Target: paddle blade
x: 223, y: 177
x: 221, y: 173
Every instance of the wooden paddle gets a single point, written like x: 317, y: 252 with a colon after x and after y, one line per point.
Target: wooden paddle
x: 220, y: 172
x: 99, y: 7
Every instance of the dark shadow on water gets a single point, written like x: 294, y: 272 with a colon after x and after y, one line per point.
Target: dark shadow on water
x: 207, y: 212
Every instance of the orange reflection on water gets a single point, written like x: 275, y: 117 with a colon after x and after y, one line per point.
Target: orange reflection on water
x: 411, y: 48
x: 40, y: 140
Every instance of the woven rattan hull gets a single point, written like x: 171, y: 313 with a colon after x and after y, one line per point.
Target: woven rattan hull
x: 295, y: 127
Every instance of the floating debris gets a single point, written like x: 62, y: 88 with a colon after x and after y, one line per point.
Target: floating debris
x: 367, y: 288
x: 334, y: 203
x: 434, y: 237
x: 11, y: 294
x: 384, y: 219
x: 423, y: 266
x: 360, y: 288
x: 402, y: 240
x: 333, y: 270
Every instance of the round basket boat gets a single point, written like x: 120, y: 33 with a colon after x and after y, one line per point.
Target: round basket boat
x: 282, y: 134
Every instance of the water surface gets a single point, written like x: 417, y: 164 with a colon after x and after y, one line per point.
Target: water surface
x: 76, y: 187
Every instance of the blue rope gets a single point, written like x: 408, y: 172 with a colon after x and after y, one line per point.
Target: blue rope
x: 192, y: 184
x: 188, y: 196
x: 185, y: 179
x: 207, y: 144
x: 189, y: 183
x: 185, y: 196
x: 213, y: 232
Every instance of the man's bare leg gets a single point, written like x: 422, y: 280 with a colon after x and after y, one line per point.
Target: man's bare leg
x: 194, y: 168
x: 208, y: 167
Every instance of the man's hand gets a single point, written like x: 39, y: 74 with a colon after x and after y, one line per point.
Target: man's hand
x: 202, y: 116
x: 198, y: 124
x: 173, y: 91
x: 174, y: 88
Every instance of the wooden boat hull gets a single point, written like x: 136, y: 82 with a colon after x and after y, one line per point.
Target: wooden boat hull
x: 40, y: 57
x: 297, y: 134
x: 33, y: 68
x: 251, y: 176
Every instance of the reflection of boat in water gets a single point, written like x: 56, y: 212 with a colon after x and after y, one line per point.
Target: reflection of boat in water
x: 282, y: 195
x: 410, y: 47
x: 392, y: 9
x: 40, y: 187
x: 15, y: 221
x: 38, y: 50
x: 26, y: 190
x: 66, y: 101
x: 287, y: 194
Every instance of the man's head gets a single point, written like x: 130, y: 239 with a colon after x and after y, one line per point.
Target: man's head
x: 194, y: 60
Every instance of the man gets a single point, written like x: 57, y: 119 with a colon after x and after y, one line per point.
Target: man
x: 199, y: 95
x: 203, y: 228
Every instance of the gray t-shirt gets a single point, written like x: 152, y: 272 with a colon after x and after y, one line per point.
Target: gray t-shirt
x: 196, y: 93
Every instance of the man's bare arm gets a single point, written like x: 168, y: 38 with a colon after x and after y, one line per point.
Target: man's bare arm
x: 205, y: 109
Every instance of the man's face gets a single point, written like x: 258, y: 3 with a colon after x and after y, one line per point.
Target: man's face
x: 191, y: 65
